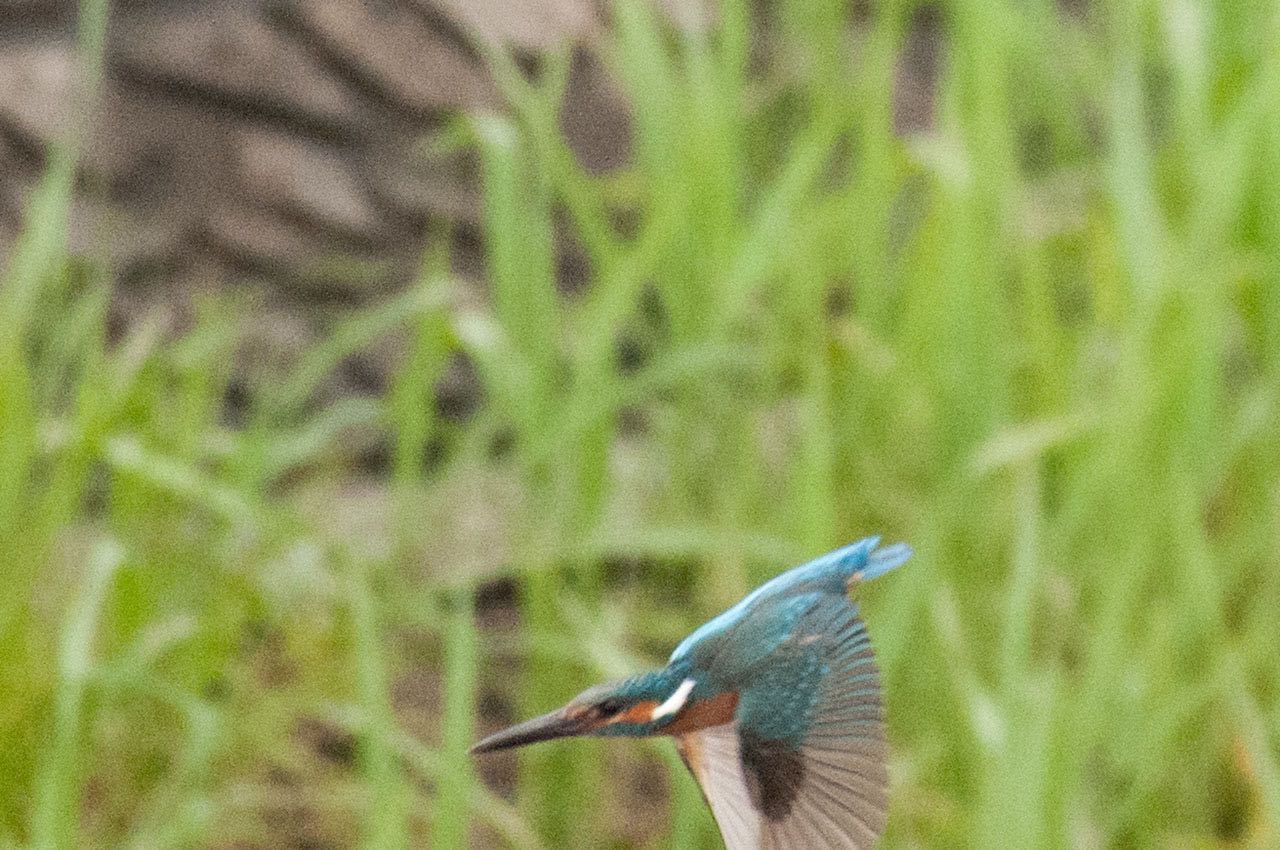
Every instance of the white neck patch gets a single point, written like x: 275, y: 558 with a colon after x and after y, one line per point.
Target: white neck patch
x: 676, y: 701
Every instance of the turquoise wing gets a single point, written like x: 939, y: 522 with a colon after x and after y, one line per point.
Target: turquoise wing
x: 803, y: 763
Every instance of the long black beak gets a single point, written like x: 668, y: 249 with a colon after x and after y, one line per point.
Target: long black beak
x: 544, y: 728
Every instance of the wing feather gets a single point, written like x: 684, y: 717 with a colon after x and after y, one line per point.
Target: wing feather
x: 712, y: 756
x: 803, y: 763
x: 842, y: 799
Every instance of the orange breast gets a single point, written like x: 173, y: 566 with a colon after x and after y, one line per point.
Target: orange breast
x: 691, y: 751
x: 704, y: 714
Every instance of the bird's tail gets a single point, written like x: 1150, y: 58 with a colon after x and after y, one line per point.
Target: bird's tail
x: 884, y: 559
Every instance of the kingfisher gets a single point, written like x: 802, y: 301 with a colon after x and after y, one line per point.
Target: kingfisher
x: 774, y: 706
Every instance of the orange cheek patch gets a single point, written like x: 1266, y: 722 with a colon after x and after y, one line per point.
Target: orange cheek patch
x: 641, y: 713
x: 704, y: 714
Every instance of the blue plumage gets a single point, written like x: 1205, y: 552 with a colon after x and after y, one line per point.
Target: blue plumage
x: 832, y: 573
x: 775, y: 707
x: 785, y: 696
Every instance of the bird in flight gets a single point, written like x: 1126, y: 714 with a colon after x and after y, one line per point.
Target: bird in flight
x: 774, y: 706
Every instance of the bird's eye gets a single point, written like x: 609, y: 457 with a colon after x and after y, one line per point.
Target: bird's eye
x: 611, y: 706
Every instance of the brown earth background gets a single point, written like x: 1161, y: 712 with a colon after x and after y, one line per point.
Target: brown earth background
x: 286, y: 145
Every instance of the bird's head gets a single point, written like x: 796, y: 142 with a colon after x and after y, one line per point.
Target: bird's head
x: 641, y: 705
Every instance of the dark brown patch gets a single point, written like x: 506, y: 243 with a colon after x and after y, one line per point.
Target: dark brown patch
x: 703, y: 714
x: 774, y: 771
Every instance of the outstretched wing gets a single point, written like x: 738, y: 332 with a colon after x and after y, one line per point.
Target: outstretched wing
x: 803, y: 763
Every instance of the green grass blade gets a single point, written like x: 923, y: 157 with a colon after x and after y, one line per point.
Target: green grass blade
x: 58, y: 787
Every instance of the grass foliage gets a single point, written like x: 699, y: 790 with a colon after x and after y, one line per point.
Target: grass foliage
x: 1040, y: 341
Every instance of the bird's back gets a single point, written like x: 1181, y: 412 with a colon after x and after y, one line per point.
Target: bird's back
x: 783, y: 599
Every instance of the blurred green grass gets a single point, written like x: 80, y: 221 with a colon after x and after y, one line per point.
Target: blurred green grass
x: 1041, y: 342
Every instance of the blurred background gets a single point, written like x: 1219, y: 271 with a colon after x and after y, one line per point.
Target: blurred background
x: 373, y: 374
